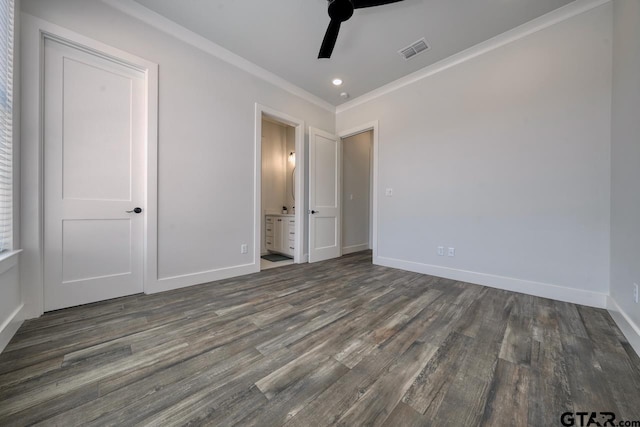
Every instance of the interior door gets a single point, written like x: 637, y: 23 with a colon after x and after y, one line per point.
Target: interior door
x: 325, y: 166
x: 94, y: 133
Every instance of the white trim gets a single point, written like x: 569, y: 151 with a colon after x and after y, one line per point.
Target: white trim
x: 561, y: 14
x: 8, y: 259
x: 193, y: 279
x: 300, y: 217
x: 34, y: 31
x: 10, y: 326
x: 375, y: 127
x: 628, y: 327
x: 167, y: 26
x: 354, y: 248
x: 544, y: 290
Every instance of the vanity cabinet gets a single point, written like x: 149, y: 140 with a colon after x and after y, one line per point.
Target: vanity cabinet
x: 280, y: 233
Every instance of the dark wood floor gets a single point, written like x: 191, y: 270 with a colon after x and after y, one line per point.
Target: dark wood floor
x: 340, y: 342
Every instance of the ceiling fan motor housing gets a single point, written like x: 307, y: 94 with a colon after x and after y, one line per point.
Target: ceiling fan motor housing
x: 340, y: 10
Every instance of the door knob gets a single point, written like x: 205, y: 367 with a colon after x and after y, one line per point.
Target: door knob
x: 314, y: 212
x: 135, y: 210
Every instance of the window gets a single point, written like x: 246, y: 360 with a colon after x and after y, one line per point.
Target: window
x: 6, y: 125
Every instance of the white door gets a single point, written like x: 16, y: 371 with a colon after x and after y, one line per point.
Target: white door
x: 325, y: 167
x: 94, y: 145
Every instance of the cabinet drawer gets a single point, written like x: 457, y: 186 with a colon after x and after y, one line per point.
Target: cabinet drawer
x: 269, y: 244
x: 269, y: 230
x: 269, y: 220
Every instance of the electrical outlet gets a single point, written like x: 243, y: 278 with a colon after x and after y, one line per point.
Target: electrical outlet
x: 452, y: 252
x: 388, y: 192
x: 441, y: 250
x: 635, y: 293
x: 243, y: 249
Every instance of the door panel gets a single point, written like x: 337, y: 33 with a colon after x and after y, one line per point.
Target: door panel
x: 94, y: 134
x: 97, y: 127
x: 324, y: 196
x: 82, y: 259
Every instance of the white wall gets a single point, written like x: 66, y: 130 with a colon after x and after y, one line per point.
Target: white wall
x: 625, y: 153
x: 206, y: 144
x: 505, y: 157
x: 356, y: 185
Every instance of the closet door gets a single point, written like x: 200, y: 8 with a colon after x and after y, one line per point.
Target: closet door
x: 94, y: 138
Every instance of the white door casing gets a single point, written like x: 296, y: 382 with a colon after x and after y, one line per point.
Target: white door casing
x: 94, y: 153
x: 325, y: 168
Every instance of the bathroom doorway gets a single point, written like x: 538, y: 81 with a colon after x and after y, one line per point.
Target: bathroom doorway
x: 279, y: 174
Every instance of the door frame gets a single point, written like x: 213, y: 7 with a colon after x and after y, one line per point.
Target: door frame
x: 299, y: 127
x: 371, y: 126
x: 34, y: 31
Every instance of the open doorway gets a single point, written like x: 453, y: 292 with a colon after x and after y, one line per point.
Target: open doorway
x: 279, y: 173
x: 357, y: 189
x: 342, y: 192
x: 278, y: 194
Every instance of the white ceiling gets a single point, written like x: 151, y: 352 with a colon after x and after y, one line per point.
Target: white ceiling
x: 284, y: 36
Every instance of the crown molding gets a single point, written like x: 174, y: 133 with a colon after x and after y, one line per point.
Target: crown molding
x: 566, y: 12
x: 138, y: 11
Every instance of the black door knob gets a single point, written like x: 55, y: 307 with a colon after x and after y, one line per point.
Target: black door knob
x: 314, y: 212
x: 135, y: 210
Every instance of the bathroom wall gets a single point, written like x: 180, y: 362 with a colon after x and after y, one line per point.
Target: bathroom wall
x: 290, y: 147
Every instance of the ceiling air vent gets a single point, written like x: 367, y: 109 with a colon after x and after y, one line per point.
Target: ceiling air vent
x: 414, y: 49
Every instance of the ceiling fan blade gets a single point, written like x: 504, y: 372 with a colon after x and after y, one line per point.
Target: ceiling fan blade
x: 330, y: 39
x: 360, y: 4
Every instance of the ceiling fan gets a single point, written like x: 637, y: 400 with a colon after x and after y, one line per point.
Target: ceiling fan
x: 339, y: 12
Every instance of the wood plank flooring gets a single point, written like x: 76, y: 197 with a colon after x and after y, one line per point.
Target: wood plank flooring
x: 341, y: 342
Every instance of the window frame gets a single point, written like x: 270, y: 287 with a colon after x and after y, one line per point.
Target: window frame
x: 7, y: 255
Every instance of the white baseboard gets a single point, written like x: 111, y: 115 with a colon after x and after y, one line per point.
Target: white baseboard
x: 183, y: 281
x: 355, y: 248
x: 628, y: 327
x: 544, y: 290
x: 10, y: 326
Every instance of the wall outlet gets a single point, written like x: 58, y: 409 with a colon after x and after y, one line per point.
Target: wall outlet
x: 243, y: 249
x: 452, y: 252
x: 635, y: 293
x: 388, y: 192
x: 441, y: 250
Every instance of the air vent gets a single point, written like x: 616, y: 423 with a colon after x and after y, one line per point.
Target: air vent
x: 414, y: 49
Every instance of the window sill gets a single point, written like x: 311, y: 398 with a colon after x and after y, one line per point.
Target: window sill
x: 8, y: 259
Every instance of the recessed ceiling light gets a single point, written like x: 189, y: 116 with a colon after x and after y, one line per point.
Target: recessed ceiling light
x: 337, y: 82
